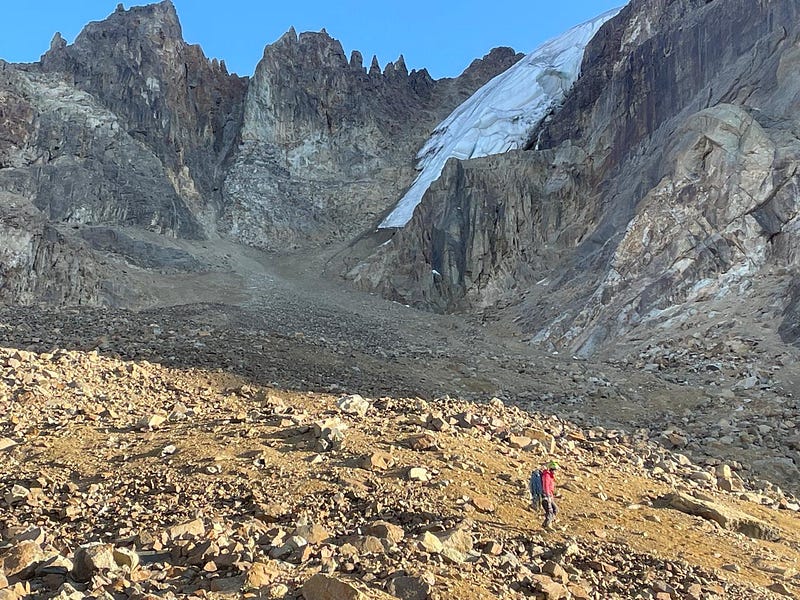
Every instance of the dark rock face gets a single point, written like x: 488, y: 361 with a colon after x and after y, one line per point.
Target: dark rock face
x: 75, y: 162
x: 185, y: 109
x: 667, y: 176
x: 37, y: 262
x: 328, y: 145
x: 130, y: 131
x: 127, y: 128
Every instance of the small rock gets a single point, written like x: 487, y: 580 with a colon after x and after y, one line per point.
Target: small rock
x: 326, y: 587
x: 91, y: 559
x: 21, y: 560
x: 456, y: 544
x: 781, y: 588
x: 386, y: 531
x: 423, y: 442
x: 277, y: 591
x: 192, y: 529
x: 483, y: 504
x: 430, y: 543
x: 419, y: 474
x: 353, y: 405
x: 519, y: 441
x: 329, y: 435
x: 152, y: 421
x: 410, y: 588
x: 169, y: 450
x: 548, y: 589
x: 125, y: 557
x: 17, y: 495
x: 260, y: 575
x: 377, y: 461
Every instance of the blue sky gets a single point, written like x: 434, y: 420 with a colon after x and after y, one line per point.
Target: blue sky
x: 442, y: 36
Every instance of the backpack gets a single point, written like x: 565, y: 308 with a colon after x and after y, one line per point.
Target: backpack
x: 536, y: 487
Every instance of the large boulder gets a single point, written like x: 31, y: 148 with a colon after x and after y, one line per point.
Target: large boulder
x: 725, y: 517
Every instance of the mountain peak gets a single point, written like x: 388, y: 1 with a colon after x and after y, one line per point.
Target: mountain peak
x: 160, y: 17
x: 309, y: 48
x: 58, y: 42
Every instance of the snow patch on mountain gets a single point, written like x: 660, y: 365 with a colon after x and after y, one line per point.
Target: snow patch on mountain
x: 501, y: 115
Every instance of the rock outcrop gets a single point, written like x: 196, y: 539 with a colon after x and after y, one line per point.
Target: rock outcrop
x: 184, y: 108
x: 328, y: 144
x: 130, y: 131
x: 127, y: 128
x: 76, y: 161
x: 667, y: 177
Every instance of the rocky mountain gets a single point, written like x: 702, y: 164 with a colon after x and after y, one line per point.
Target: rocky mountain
x: 327, y: 144
x: 172, y: 102
x: 193, y: 407
x: 131, y: 131
x: 664, y: 184
x: 629, y: 206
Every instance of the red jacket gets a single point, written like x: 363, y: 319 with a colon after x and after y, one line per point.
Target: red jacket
x: 548, y: 482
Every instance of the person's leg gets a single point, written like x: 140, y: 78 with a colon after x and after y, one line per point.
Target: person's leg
x: 547, y: 505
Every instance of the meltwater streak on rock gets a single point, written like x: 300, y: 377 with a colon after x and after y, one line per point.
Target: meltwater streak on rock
x: 502, y: 114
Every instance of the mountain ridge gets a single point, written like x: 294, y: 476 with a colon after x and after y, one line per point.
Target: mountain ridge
x: 197, y: 406
x: 164, y: 159
x: 538, y: 229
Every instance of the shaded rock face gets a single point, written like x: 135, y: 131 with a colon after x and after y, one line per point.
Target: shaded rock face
x: 184, y: 109
x: 130, y: 131
x: 76, y: 162
x: 128, y: 128
x: 328, y: 144
x: 668, y: 176
x: 37, y: 262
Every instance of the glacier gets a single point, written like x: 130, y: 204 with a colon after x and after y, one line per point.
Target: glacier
x: 502, y: 114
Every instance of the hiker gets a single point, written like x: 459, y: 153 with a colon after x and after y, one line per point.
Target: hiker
x: 543, y: 487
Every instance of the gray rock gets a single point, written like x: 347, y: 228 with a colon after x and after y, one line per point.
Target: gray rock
x: 410, y: 588
x: 725, y: 517
x: 91, y: 559
x: 522, y: 228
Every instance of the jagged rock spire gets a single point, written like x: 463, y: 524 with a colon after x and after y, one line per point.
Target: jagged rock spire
x: 400, y: 65
x: 375, y: 67
x: 58, y: 42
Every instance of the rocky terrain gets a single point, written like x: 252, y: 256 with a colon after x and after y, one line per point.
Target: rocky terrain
x: 133, y: 131
x: 667, y: 178
x: 327, y: 144
x: 127, y: 479
x: 193, y: 404
x: 212, y: 441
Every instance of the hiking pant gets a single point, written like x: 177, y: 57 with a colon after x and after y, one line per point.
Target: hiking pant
x: 550, y: 509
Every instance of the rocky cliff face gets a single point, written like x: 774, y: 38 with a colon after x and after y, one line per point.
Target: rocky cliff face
x: 327, y: 143
x: 76, y: 162
x: 667, y: 178
x: 185, y: 109
x: 130, y: 129
x: 39, y: 263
